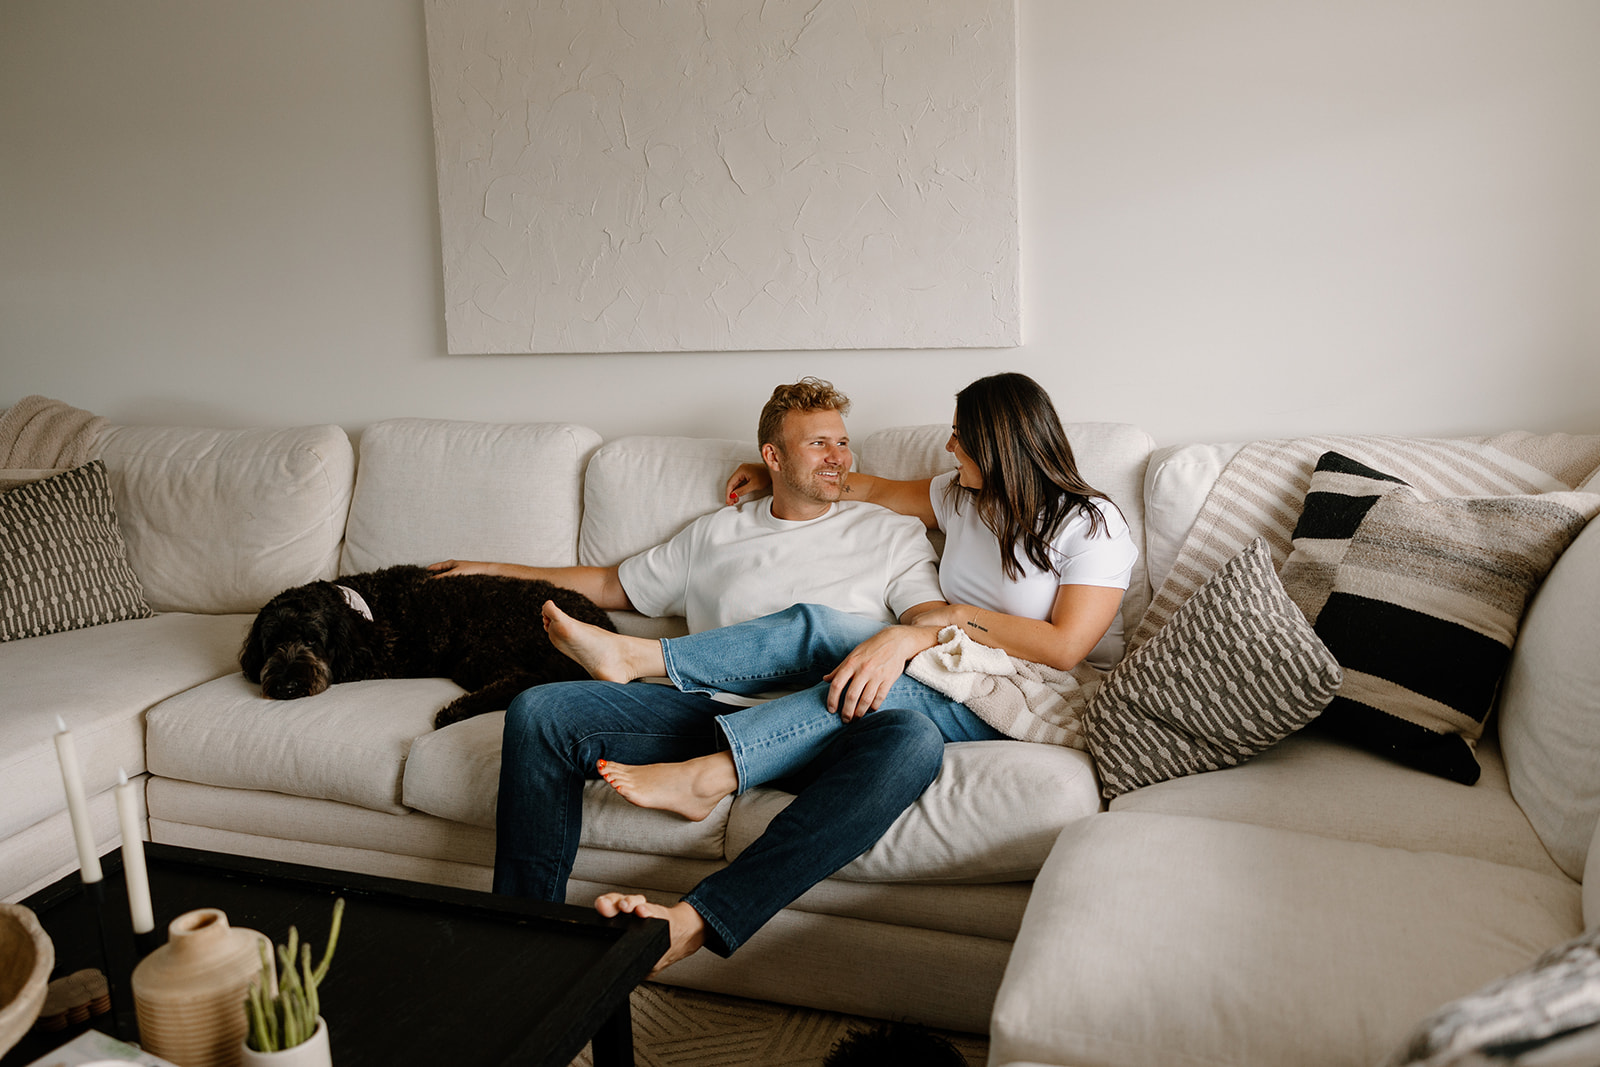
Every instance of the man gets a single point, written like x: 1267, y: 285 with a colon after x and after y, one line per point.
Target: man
x: 801, y: 545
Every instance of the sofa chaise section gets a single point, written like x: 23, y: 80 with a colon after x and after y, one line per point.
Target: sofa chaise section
x: 212, y: 521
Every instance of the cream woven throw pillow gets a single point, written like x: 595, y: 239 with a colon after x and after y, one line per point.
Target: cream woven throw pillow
x: 1421, y: 601
x: 1234, y: 671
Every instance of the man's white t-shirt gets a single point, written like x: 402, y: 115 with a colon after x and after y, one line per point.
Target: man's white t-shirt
x: 741, y: 563
x: 970, y: 571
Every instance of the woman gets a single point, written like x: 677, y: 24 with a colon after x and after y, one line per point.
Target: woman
x: 1035, y: 562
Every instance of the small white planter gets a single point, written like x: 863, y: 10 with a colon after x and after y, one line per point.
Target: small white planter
x: 312, y: 1052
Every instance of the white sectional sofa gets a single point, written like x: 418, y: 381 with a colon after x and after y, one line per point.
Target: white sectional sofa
x: 1306, y: 907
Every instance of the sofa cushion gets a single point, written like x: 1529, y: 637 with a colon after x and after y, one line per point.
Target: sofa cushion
x: 1550, y: 706
x: 990, y: 816
x: 260, y: 822
x: 454, y: 773
x: 1591, y: 883
x: 432, y: 489
x: 37, y: 855
x: 221, y: 521
x: 63, y: 564
x: 1420, y: 600
x: 1316, y: 784
x: 1233, y: 672
x: 1175, y: 487
x: 260, y: 813
x: 639, y: 491
x: 1161, y: 939
x: 100, y: 681
x: 1515, y: 1016
x: 348, y: 743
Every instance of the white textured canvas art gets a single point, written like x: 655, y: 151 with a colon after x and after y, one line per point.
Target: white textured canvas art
x: 710, y: 175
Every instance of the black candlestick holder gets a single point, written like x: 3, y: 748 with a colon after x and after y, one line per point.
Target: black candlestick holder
x: 146, y: 943
x: 116, y: 958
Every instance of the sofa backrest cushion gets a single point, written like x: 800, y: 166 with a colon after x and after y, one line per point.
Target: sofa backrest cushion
x: 432, y: 489
x: 1111, y: 456
x: 1550, y: 706
x: 641, y: 490
x: 1175, y: 486
x: 221, y: 521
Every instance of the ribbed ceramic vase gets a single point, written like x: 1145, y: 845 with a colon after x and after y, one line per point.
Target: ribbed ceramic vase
x: 189, y: 993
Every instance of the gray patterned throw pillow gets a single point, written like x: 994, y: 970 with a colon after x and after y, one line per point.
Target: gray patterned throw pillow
x: 1234, y: 671
x: 63, y: 565
x: 1554, y: 1001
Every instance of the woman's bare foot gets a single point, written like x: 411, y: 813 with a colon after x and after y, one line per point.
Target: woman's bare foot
x: 692, y: 789
x: 608, y: 657
x: 686, y: 928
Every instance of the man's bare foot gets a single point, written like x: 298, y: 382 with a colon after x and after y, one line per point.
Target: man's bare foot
x: 608, y: 657
x: 692, y: 788
x: 686, y: 927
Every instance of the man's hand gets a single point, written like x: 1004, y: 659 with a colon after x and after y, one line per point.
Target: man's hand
x: 451, y: 568
x: 751, y: 479
x: 862, y: 681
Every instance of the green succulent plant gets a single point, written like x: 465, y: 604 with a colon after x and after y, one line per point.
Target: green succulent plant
x: 283, y: 1007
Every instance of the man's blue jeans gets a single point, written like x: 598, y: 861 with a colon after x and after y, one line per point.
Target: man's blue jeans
x: 793, y: 649
x: 860, y: 781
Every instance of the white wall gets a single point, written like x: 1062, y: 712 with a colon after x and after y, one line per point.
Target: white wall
x: 1240, y: 218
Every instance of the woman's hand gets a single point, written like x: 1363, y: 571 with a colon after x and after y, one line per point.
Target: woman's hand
x: 862, y: 681
x: 751, y: 479
x: 451, y: 568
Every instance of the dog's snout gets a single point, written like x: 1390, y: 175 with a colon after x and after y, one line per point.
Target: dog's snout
x: 287, y: 688
x: 293, y: 671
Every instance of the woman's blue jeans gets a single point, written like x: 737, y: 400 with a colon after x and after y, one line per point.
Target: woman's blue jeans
x: 862, y: 778
x: 793, y: 649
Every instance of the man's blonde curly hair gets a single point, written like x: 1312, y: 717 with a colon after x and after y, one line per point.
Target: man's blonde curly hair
x: 808, y: 394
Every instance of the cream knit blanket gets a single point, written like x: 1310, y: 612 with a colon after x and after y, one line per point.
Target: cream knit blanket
x: 1025, y: 700
x: 1258, y: 494
x: 37, y: 433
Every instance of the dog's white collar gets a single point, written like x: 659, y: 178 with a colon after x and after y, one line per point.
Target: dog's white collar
x: 353, y: 598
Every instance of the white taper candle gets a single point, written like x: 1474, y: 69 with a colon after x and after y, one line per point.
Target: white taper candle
x: 133, y: 867
x: 77, y: 806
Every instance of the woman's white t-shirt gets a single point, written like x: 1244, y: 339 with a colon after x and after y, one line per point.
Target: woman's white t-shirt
x: 970, y: 571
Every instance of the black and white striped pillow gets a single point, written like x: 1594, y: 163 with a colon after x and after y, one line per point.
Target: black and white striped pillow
x: 1420, y: 600
x: 63, y: 564
x: 1235, y: 670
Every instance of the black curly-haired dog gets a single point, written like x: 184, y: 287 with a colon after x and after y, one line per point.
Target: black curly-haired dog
x: 894, y: 1045
x: 483, y: 632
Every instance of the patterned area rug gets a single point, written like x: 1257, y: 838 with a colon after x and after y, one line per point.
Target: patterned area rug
x: 686, y: 1028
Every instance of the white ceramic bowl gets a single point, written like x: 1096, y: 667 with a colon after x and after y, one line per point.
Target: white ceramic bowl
x: 26, y: 959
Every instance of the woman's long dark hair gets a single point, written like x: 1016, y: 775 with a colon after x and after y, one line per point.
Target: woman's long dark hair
x: 1008, y: 426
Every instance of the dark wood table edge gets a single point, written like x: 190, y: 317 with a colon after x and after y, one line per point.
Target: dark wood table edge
x: 579, y: 1018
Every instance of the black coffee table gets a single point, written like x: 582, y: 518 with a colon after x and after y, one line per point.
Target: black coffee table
x: 423, y: 974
